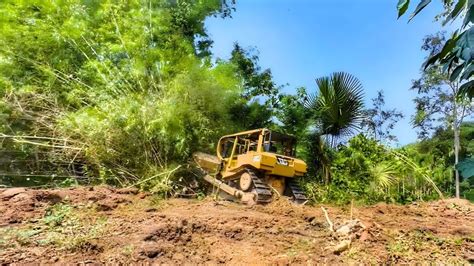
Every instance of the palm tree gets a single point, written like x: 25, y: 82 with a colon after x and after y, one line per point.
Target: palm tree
x: 336, y: 110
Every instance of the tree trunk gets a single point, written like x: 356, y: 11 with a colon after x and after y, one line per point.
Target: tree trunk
x: 456, y: 130
x: 456, y: 158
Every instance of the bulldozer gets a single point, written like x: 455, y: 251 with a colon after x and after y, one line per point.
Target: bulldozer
x: 252, y: 166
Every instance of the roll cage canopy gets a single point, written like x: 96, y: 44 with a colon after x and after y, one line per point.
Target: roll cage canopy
x: 258, y: 140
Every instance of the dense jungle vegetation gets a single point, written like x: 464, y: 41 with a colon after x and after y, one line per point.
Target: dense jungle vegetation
x: 123, y: 92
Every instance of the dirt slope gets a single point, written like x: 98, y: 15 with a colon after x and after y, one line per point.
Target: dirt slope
x: 105, y: 225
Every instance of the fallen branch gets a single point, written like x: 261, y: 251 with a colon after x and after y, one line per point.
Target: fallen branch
x: 276, y: 192
x: 331, y: 225
x: 343, y: 245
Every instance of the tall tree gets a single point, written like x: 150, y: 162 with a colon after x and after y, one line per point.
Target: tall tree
x: 379, y: 121
x: 292, y: 114
x: 256, y: 82
x: 456, y: 55
x: 437, y: 104
x: 260, y: 93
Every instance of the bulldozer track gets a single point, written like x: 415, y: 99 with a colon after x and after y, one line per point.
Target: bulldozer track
x: 296, y: 192
x: 263, y: 191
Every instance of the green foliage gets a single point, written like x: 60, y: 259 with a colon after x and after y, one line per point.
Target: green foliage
x: 130, y: 83
x: 292, y: 113
x: 369, y: 172
x: 321, y: 118
x: 440, y: 145
x: 156, y: 129
x: 257, y: 82
x: 250, y: 115
x: 57, y: 214
x: 437, y: 103
x: 355, y: 168
x: 438, y: 151
x: 466, y: 168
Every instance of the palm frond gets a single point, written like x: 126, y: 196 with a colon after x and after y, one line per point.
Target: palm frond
x: 383, y: 175
x: 338, y: 105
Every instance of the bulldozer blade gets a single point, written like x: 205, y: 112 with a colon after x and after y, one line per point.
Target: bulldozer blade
x: 248, y: 198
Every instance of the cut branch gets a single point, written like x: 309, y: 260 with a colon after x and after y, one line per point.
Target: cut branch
x: 331, y: 225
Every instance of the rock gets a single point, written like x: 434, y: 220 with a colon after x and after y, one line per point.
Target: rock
x: 343, y: 245
x: 11, y: 192
x: 350, y: 227
x: 248, y: 198
x: 317, y: 223
x: 344, y: 230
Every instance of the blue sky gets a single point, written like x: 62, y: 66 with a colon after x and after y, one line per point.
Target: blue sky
x: 300, y: 40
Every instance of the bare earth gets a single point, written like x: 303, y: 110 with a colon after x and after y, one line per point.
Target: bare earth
x: 96, y: 225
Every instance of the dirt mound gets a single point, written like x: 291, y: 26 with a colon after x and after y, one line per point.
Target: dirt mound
x: 107, y: 225
x: 20, y: 204
x: 442, y: 217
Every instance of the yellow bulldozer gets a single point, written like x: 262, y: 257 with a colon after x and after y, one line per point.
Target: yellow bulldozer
x: 253, y: 165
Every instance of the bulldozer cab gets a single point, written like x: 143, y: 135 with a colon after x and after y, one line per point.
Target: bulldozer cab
x: 278, y: 143
x: 260, y: 140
